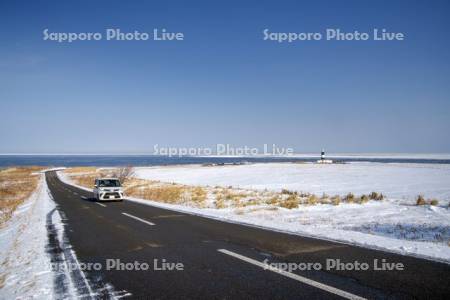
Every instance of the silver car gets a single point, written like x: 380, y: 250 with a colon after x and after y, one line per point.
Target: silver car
x: 106, y: 189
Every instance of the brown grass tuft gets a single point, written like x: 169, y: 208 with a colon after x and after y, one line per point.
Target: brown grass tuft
x: 312, y: 200
x: 291, y: 202
x: 376, y: 196
x: 363, y: 199
x: 350, y: 198
x: 198, y: 194
x: 288, y: 192
x: 273, y: 200
x: 420, y: 200
x: 220, y: 202
x: 336, y: 200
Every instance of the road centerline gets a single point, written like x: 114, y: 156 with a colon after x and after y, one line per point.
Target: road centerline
x: 138, y: 219
x: 101, y: 204
x: 299, y: 278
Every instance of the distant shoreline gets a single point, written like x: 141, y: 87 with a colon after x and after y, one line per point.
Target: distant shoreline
x: 66, y: 160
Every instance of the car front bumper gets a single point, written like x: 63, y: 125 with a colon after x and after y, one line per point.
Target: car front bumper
x: 108, y: 196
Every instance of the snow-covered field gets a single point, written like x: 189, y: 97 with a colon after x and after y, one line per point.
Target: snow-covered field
x: 398, y: 181
x: 394, y: 224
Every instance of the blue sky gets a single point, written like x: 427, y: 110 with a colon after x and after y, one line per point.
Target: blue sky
x: 223, y: 83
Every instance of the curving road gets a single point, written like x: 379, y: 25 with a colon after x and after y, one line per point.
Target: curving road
x: 209, y: 259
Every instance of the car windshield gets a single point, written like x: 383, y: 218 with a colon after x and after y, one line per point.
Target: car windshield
x: 109, y: 183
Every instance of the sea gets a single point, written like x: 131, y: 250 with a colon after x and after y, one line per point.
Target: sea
x: 156, y: 160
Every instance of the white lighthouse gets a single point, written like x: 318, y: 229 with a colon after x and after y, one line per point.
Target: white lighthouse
x: 322, y: 159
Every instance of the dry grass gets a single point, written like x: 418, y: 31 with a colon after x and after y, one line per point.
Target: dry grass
x: 335, y: 200
x: 420, y: 200
x: 350, y: 198
x: 363, y: 199
x: 229, y: 197
x: 290, y: 202
x: 84, y: 176
x: 16, y: 185
x: 198, y: 194
x: 252, y: 202
x: 312, y: 200
x: 376, y: 196
x: 165, y: 192
x: 86, y: 180
x: 229, y: 194
x: 220, y: 197
x: 145, y: 189
x: 275, y: 200
x: 219, y: 203
x: 288, y: 192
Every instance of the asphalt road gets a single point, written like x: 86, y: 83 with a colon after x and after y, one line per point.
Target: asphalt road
x: 219, y: 260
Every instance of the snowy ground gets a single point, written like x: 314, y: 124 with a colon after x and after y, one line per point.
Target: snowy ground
x: 36, y: 261
x: 23, y: 259
x: 394, y: 224
x: 399, y: 181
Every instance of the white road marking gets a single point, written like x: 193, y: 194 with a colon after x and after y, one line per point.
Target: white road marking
x: 75, y: 193
x: 139, y: 219
x: 101, y: 204
x: 83, y: 197
x: 302, y: 279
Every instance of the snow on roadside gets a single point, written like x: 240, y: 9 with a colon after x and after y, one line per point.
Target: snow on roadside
x: 27, y: 267
x: 24, y: 263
